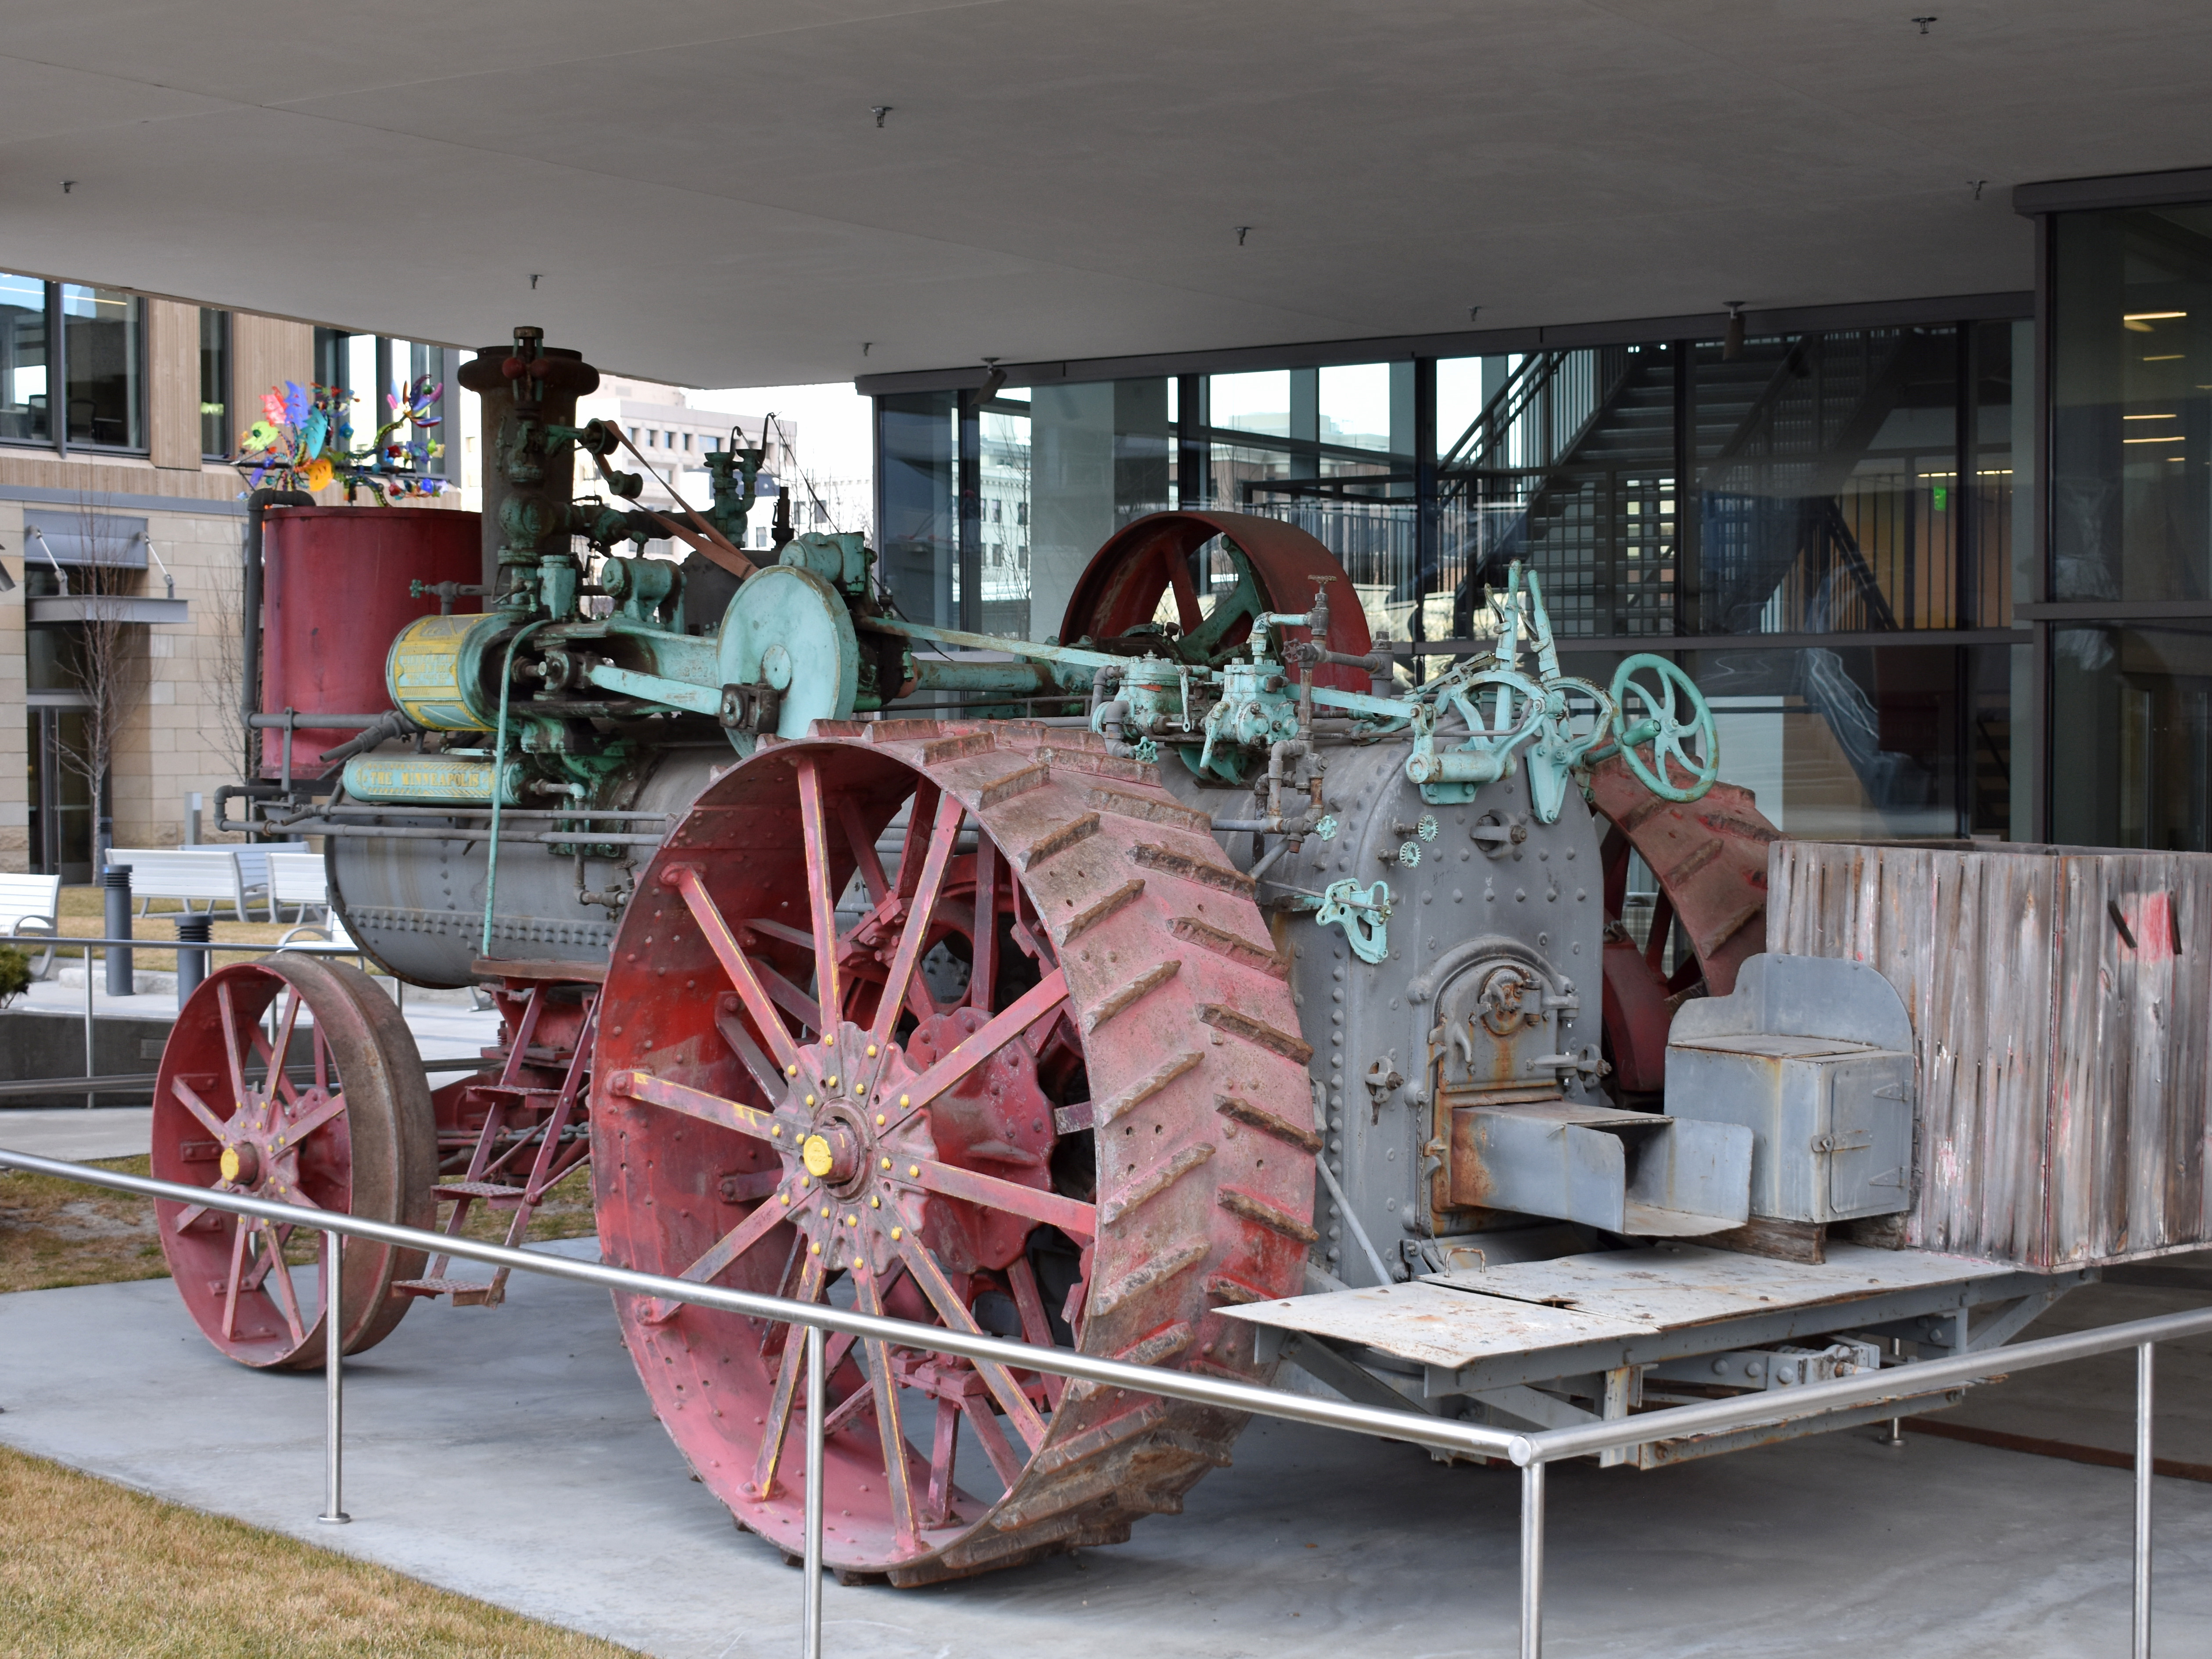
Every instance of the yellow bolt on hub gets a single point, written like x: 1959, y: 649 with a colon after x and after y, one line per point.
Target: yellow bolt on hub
x: 815, y: 1152
x: 230, y: 1164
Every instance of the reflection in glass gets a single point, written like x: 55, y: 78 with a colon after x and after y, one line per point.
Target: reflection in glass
x: 917, y: 435
x: 1097, y: 458
x: 102, y: 345
x: 1828, y: 474
x: 2131, y: 736
x: 215, y: 383
x: 1003, y: 525
x: 24, y: 362
x: 1569, y: 465
x: 2131, y: 404
x: 1859, y: 743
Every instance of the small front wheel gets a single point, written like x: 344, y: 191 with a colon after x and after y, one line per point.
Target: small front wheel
x: 346, y: 1128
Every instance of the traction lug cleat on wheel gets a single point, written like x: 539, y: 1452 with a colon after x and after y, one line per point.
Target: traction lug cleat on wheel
x: 1016, y: 1076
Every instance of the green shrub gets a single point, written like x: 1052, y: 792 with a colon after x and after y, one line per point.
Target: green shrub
x: 15, y: 974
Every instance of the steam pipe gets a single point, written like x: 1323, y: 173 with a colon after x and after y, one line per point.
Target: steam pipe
x: 249, y: 691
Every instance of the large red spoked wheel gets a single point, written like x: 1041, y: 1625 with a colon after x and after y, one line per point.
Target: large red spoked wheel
x: 347, y: 1128
x: 1277, y: 565
x: 1710, y: 857
x: 1106, y: 1135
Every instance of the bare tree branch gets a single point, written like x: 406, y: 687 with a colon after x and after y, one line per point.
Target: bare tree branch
x: 106, y: 663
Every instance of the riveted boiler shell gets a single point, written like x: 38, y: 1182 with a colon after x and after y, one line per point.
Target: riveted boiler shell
x: 416, y: 906
x: 1539, y: 901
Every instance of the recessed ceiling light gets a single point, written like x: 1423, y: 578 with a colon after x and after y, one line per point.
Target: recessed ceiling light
x: 2170, y: 438
x: 2170, y: 357
x: 2140, y: 321
x: 2150, y: 418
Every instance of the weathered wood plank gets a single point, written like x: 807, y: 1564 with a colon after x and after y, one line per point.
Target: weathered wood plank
x: 2061, y: 1011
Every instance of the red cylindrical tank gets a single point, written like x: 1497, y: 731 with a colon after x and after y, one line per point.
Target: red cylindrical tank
x: 335, y: 589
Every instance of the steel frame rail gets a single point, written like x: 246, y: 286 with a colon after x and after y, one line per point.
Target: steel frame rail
x: 1531, y: 1452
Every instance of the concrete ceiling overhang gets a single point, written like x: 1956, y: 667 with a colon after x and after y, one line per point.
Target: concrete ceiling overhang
x: 702, y: 194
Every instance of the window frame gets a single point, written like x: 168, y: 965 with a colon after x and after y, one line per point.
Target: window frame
x: 57, y: 433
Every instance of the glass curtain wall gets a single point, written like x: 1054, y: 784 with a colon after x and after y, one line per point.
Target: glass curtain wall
x: 2131, y: 435
x: 1847, y: 495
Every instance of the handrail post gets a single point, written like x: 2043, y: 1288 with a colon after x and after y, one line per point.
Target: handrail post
x: 333, y: 1378
x: 90, y: 1098
x: 818, y: 1394
x: 1532, y: 1561
x: 2145, y: 1355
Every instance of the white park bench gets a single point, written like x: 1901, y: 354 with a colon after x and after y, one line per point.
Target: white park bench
x: 301, y: 879
x: 29, y: 905
x: 220, y: 875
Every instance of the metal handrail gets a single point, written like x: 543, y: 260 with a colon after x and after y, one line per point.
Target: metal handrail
x: 1531, y: 1451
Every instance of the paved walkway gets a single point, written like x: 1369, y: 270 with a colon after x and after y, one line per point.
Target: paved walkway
x: 510, y: 1454
x: 72, y: 1133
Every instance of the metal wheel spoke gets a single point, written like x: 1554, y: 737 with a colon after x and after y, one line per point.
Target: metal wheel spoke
x: 914, y: 850
x: 763, y: 1071
x: 863, y: 847
x: 279, y: 1051
x: 789, y: 997
x: 198, y: 1107
x: 1070, y: 1215
x: 230, y: 1043
x: 192, y: 1214
x: 992, y: 1438
x: 318, y: 1113
x: 1037, y: 1328
x: 779, y: 931
x: 735, y: 1242
x: 275, y: 1268
x: 889, y: 1432
x: 1034, y: 1005
x: 1187, y: 614
x: 724, y: 945
x: 942, y: 834
x: 787, y: 1379
x: 707, y: 1108
x: 322, y: 1061
x: 257, y: 1275
x: 954, y: 1312
x: 983, y: 966
x: 822, y: 895
x: 1663, y: 922
x: 237, y: 1271
x: 861, y: 1399
x: 945, y: 1446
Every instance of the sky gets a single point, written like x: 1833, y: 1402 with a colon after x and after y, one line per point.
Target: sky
x: 834, y: 437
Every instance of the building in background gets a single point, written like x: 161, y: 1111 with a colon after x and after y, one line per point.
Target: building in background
x: 1943, y: 568
x: 119, y: 421
x: 673, y: 438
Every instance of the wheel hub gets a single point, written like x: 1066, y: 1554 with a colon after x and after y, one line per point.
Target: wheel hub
x: 259, y: 1154
x: 847, y: 1186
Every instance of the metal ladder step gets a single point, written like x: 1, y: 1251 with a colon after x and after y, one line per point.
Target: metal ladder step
x: 465, y: 1292
x: 491, y: 1192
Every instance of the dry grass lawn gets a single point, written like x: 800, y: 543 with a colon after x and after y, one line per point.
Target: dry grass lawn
x: 83, y: 909
x: 88, y: 1569
x: 55, y: 1232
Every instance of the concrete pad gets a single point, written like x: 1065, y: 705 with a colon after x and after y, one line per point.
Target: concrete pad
x: 74, y: 1134
x: 509, y: 1454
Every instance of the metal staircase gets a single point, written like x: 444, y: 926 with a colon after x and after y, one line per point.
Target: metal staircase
x: 1573, y: 466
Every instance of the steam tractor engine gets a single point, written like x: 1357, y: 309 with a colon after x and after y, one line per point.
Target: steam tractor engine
x: 1201, y: 991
